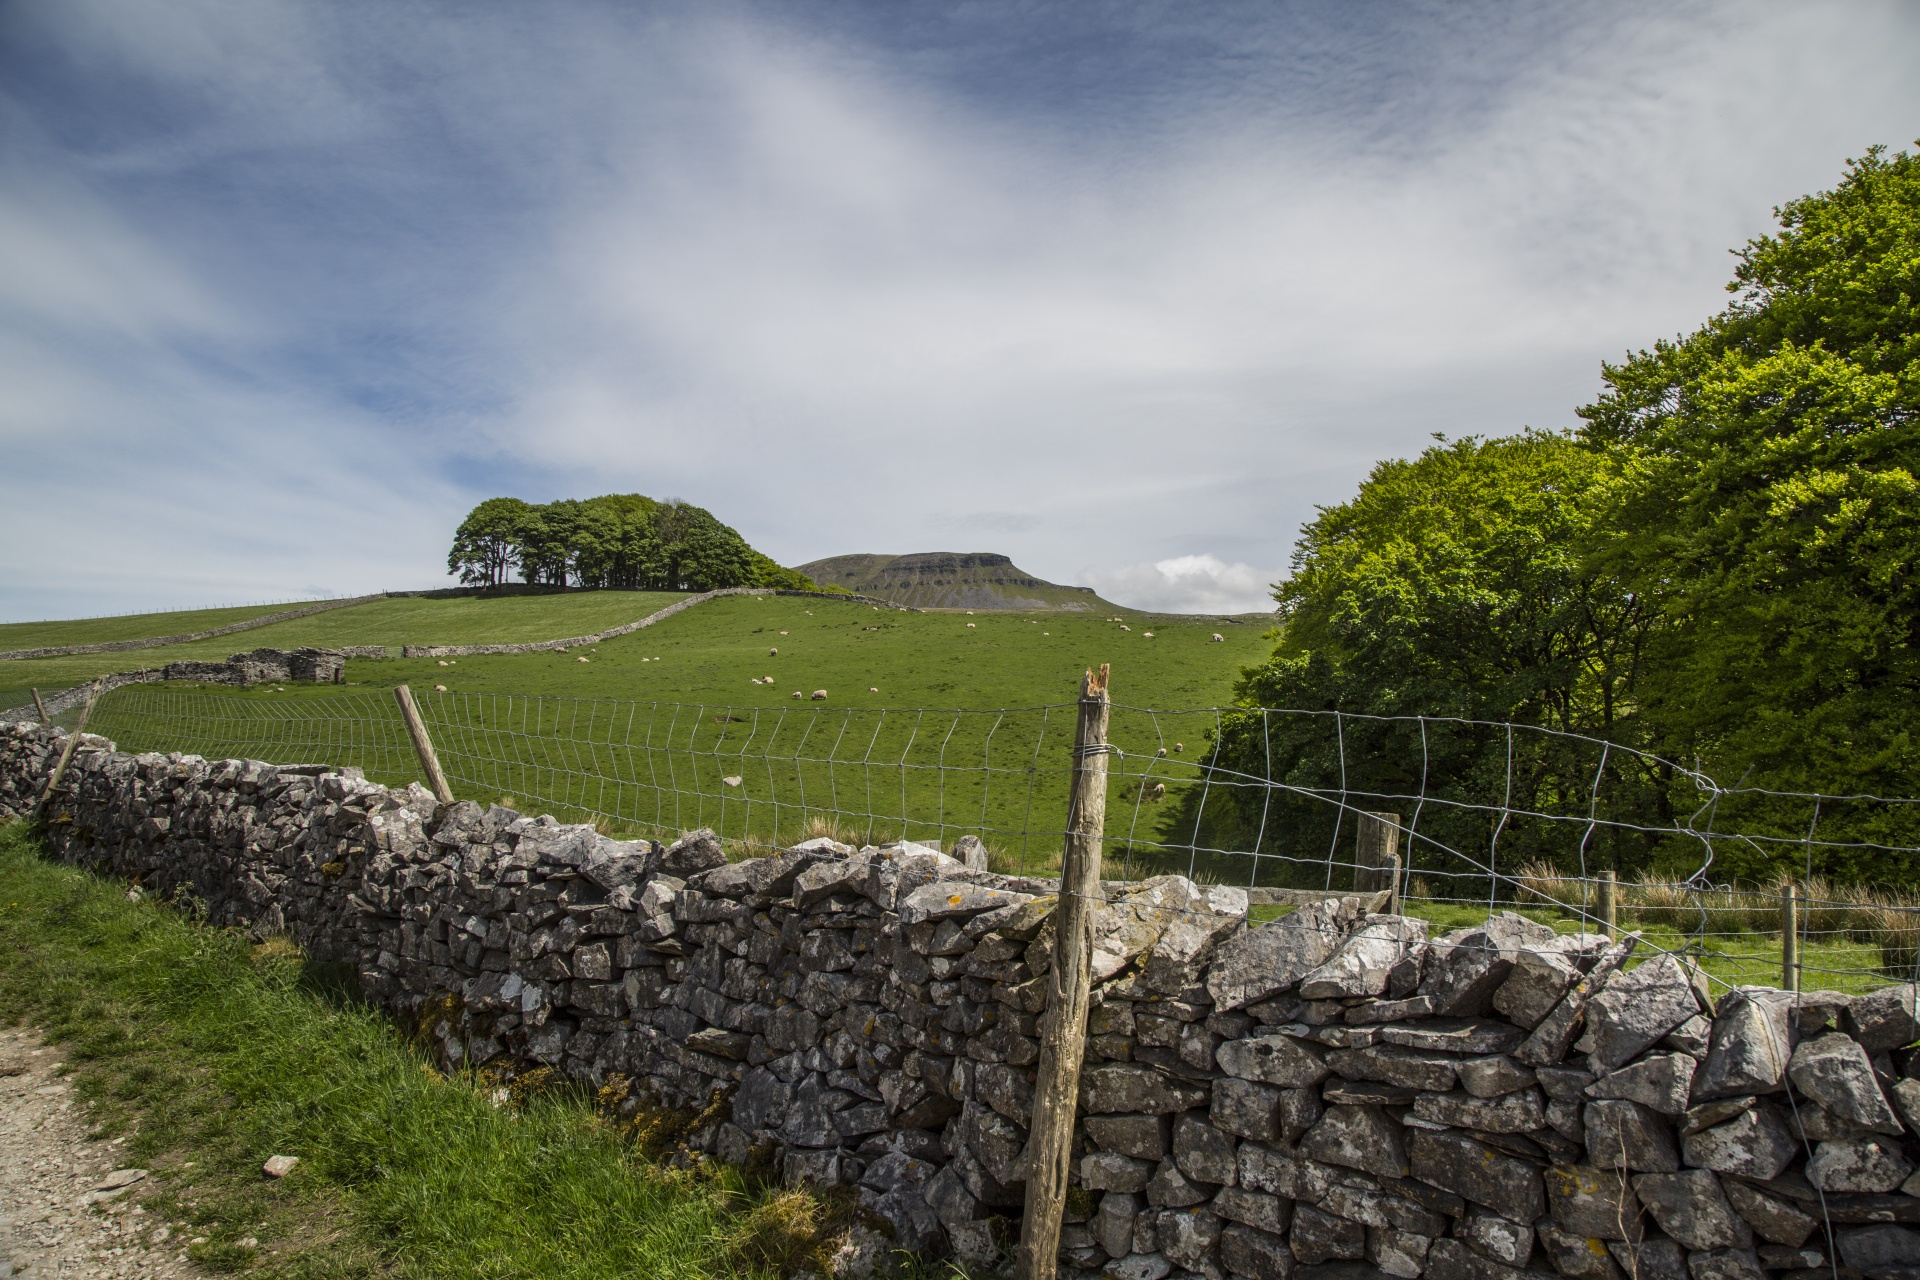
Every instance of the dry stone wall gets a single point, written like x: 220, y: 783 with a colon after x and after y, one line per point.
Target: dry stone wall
x: 1332, y: 1095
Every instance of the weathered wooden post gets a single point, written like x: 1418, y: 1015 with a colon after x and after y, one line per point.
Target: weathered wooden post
x: 1063, y: 1028
x: 1609, y: 913
x: 423, y: 745
x: 40, y: 708
x: 1790, y: 937
x: 66, y: 753
x: 1376, y: 852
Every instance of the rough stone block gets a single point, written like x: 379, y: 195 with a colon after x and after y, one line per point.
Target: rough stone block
x: 1110, y: 1171
x: 1398, y: 1253
x: 1142, y: 1137
x: 1753, y: 1144
x: 1539, y: 979
x: 1273, y: 958
x: 1662, y: 1081
x: 1493, y: 1077
x: 1497, y: 1238
x: 1880, y: 1246
x: 1457, y: 1162
x: 1651, y: 1259
x: 1113, y: 1222
x: 1884, y: 1019
x: 1256, y: 1209
x: 1171, y: 1189
x: 1628, y: 1135
x: 1512, y: 1113
x: 1635, y: 1009
x: 1750, y: 1048
x: 1835, y: 1072
x: 1123, y: 1087
x: 1273, y: 1059
x: 1202, y: 1152
x: 1255, y: 1254
x: 1320, y: 1237
x: 1690, y: 1207
x: 1771, y: 1217
x: 1392, y: 1064
x: 1465, y: 968
x: 1280, y: 1173
x: 1725, y: 1264
x: 1866, y: 1165
x: 1365, y: 959
x: 1188, y: 1236
x: 1590, y: 1201
x: 1357, y: 1138
x: 1577, y: 1257
x: 1139, y: 1266
x: 1247, y: 1109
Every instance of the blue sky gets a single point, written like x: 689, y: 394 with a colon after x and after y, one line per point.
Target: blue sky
x: 1120, y: 290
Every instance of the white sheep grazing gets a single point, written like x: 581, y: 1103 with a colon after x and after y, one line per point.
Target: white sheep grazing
x: 1159, y: 791
x: 873, y: 689
x: 773, y: 653
x: 1146, y: 635
x: 439, y: 688
x: 798, y: 694
x: 819, y: 695
x: 1218, y: 638
x: 583, y: 659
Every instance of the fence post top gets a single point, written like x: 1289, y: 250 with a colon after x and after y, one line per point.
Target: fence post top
x: 1094, y: 684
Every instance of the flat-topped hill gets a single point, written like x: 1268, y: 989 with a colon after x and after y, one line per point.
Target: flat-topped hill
x: 953, y: 580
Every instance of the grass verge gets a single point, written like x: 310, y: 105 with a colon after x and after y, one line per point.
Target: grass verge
x: 208, y: 1054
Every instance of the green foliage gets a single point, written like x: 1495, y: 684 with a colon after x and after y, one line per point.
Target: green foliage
x: 616, y: 540
x: 1718, y: 567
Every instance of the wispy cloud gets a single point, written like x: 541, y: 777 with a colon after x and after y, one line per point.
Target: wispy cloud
x: 1111, y: 291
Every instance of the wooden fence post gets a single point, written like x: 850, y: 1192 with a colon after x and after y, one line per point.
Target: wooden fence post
x: 1790, y: 937
x: 1376, y: 852
x: 40, y: 707
x: 423, y: 745
x: 1609, y: 913
x: 66, y: 753
x: 1063, y: 1028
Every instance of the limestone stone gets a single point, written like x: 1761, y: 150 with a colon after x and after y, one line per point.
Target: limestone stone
x: 1771, y: 1217
x: 1473, y: 1036
x: 1111, y: 1171
x: 1870, y: 1249
x: 1753, y: 1144
x: 1273, y: 958
x: 1171, y: 1189
x: 1690, y: 1208
x: 1247, y: 1109
x: 1866, y: 1165
x: 1539, y: 978
x: 1256, y: 1209
x: 1725, y: 1264
x: 1564, y: 1084
x: 1114, y: 1087
x: 1300, y: 1110
x: 1466, y: 1166
x: 1272, y: 1059
x: 1281, y: 1173
x: 1202, y: 1152
x: 1391, y: 1064
x: 1191, y: 938
x: 1396, y: 1252
x: 1321, y: 1237
x: 1493, y: 1076
x: 1357, y: 1138
x: 1255, y: 1254
x: 1142, y: 1137
x: 1590, y: 1201
x: 1905, y: 1097
x: 1511, y: 1113
x: 1578, y: 1257
x: 1629, y: 1135
x: 1655, y: 1259
x: 1465, y: 968
x: 1550, y: 1039
x: 1188, y: 1236
x: 1139, y: 1266
x: 1691, y: 1037
x: 1365, y: 958
x: 1750, y: 1047
x: 1835, y: 1072
x: 998, y: 1144
x: 691, y: 854
x: 1885, y: 1019
x: 1496, y: 1237
x: 1113, y: 1222
x: 1662, y: 1081
x: 1449, y: 1259
x: 1635, y: 1009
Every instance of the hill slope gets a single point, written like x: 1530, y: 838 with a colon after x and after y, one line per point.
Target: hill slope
x: 953, y: 580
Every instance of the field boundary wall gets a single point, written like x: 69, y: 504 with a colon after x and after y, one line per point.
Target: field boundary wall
x: 1333, y: 1094
x: 187, y: 637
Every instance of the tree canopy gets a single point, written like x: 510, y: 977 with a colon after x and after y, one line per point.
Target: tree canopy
x: 1718, y: 566
x: 616, y: 540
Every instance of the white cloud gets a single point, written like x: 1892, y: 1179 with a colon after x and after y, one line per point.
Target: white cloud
x: 1187, y: 584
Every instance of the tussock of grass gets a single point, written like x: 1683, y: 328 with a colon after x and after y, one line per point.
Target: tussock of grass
x: 211, y: 1053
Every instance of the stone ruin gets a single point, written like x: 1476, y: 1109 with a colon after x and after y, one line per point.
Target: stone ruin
x: 1331, y: 1096
x: 270, y: 666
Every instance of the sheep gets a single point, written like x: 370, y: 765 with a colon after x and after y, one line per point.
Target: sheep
x: 1160, y: 753
x: 1159, y: 791
x: 1124, y: 627
x: 969, y: 626
x: 583, y: 659
x: 773, y: 653
x: 1218, y: 638
x: 819, y: 695
x: 873, y: 688
x: 439, y: 688
x: 798, y: 694
x: 1146, y: 635
x: 733, y: 779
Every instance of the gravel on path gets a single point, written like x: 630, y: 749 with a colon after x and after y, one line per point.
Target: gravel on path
x: 66, y: 1202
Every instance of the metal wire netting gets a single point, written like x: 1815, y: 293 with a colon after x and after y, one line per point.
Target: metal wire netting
x: 1476, y: 816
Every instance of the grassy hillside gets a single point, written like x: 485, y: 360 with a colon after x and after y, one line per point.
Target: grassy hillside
x: 513, y: 619
x: 133, y: 626
x: 953, y: 580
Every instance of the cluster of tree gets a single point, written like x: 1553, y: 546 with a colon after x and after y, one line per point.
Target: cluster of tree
x: 617, y: 540
x: 1720, y: 567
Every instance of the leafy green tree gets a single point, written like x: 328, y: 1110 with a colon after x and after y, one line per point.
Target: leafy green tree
x: 486, y: 546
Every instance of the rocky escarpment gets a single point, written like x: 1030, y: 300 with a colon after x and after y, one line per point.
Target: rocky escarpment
x: 1333, y: 1094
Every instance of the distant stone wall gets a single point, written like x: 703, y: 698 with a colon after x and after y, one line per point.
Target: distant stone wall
x: 1332, y: 1096
x: 187, y: 637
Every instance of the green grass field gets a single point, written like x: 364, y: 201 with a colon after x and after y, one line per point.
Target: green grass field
x: 135, y: 626
x: 205, y: 1055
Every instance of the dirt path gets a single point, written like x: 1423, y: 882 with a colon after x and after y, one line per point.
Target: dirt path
x: 61, y: 1212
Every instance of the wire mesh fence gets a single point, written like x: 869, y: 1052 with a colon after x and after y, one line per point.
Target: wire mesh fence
x: 1485, y: 816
